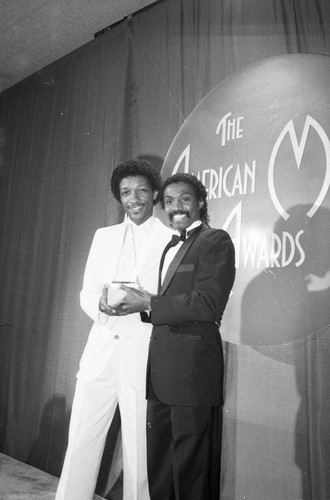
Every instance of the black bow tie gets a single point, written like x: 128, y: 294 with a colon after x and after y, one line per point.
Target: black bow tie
x: 176, y: 238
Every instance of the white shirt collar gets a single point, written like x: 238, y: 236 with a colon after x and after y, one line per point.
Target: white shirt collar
x: 142, y: 228
x: 192, y: 226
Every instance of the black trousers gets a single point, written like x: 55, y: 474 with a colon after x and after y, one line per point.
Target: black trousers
x: 183, y: 450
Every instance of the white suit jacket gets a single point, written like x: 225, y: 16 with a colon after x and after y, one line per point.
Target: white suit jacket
x: 132, y: 334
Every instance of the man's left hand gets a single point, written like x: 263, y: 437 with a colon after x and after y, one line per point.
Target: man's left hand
x: 135, y: 300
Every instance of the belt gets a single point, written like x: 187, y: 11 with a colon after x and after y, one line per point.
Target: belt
x: 146, y: 318
x: 193, y: 323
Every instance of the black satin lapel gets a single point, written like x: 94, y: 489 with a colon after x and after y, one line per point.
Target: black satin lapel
x: 179, y: 256
x: 161, y: 263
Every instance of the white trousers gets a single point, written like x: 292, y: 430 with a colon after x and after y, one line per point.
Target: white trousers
x: 93, y: 408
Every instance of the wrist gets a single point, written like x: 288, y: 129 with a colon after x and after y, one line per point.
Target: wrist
x: 148, y: 303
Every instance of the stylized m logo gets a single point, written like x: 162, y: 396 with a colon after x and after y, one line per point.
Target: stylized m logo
x: 298, y: 150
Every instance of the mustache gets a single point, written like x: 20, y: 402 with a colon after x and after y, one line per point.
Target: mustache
x: 134, y: 205
x: 178, y: 212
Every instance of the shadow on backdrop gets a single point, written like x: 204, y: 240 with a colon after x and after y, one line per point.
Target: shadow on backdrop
x: 286, y: 317
x: 49, y: 447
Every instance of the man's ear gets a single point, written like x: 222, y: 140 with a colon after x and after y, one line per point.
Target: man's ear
x: 200, y: 204
x: 155, y: 195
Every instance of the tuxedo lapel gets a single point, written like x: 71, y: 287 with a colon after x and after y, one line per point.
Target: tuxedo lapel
x: 161, y: 263
x: 177, y: 258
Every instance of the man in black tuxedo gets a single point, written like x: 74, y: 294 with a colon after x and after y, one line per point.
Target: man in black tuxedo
x: 185, y: 365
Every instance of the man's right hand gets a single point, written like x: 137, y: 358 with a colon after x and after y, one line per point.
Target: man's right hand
x: 103, y: 306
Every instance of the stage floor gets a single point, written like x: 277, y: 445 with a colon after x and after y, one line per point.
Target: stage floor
x: 19, y: 481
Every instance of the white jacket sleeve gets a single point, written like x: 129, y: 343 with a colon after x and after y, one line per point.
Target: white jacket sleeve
x: 92, y: 285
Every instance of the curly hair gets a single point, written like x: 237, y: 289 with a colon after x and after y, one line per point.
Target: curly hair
x: 133, y: 168
x: 197, y: 185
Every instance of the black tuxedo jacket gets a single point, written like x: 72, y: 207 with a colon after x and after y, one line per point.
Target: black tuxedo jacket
x: 185, y: 365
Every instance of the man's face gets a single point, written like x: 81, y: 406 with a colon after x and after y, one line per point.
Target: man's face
x: 137, y: 198
x: 181, y: 205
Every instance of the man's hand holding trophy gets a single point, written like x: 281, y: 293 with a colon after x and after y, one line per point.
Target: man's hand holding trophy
x: 122, y: 298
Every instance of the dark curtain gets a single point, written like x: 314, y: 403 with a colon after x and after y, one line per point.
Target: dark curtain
x: 62, y: 131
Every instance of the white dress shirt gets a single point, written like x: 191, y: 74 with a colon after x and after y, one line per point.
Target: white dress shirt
x: 171, y: 253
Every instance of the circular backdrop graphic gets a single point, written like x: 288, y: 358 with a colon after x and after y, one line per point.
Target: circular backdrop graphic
x: 260, y: 144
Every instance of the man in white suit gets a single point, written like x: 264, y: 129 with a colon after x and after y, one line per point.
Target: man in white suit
x: 113, y: 364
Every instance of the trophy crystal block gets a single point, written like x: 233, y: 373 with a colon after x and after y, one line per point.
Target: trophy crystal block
x: 115, y: 293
